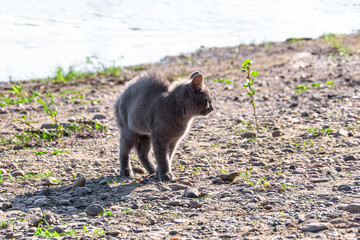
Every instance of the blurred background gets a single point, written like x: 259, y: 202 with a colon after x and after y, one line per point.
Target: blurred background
x: 37, y: 36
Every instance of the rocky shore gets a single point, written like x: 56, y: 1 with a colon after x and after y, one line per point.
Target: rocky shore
x: 298, y: 178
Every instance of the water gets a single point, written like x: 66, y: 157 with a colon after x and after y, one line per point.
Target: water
x: 36, y: 36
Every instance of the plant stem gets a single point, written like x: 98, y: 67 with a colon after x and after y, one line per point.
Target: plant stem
x: 252, y: 101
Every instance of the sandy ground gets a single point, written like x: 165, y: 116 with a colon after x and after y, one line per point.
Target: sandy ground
x: 297, y: 179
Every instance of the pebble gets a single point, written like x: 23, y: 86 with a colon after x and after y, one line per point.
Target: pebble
x: 80, y: 182
x: 6, y: 205
x: 173, y: 232
x: 287, y: 150
x: 138, y: 170
x: 99, y: 117
x: 174, y: 203
x: 353, y: 208
x: 191, y: 192
x: 45, y: 218
x: 94, y: 210
x: 64, y: 202
x: 228, y: 176
x: 344, y: 187
x: 195, y: 204
x: 350, y: 158
x: 180, y: 220
x: 248, y: 135
x: 56, y: 229
x: 277, y: 133
x: 124, y: 228
x: 82, y: 191
x: 299, y: 171
x: 41, y: 202
x: 17, y: 173
x: 51, y: 181
x: 314, y: 227
x: 177, y: 187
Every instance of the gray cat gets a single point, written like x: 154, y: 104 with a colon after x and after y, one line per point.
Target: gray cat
x: 150, y: 111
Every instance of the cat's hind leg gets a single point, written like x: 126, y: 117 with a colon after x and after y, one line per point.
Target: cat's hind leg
x: 127, y: 140
x: 143, y: 148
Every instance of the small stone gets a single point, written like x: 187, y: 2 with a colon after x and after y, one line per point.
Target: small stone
x: 191, y: 192
x: 80, y: 182
x: 248, y: 135
x: 52, y: 125
x: 138, y: 170
x: 195, y: 204
x: 173, y: 232
x: 82, y: 191
x: 56, y: 229
x: 305, y: 114
x: 268, y: 207
x: 100, y: 117
x: 94, y: 210
x: 287, y: 150
x: 299, y: 171
x: 314, y: 227
x: 6, y: 205
x: 277, y: 133
x: 17, y: 173
x: 177, y: 187
x: 64, y: 202
x: 228, y: 176
x: 353, y: 208
x: 114, y: 233
x: 152, y: 197
x: 45, y: 219
x: 10, y: 236
x: 344, y: 187
x: 51, y: 181
x: 180, y: 220
x: 350, y: 158
x: 124, y: 228
x: 41, y: 202
x: 2, y: 171
x: 174, y: 203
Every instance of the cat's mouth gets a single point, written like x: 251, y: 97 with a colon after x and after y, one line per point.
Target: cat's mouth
x: 207, y: 110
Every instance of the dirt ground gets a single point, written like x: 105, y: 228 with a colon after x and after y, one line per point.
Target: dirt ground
x: 297, y: 179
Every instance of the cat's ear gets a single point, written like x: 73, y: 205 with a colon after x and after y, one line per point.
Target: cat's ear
x: 196, y: 81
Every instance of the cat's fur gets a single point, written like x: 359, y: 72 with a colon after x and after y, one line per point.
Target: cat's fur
x: 152, y: 112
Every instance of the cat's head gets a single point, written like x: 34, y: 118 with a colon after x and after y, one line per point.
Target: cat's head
x: 200, y: 96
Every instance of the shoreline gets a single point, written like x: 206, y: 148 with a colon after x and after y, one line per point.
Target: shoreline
x: 99, y: 64
x: 297, y: 178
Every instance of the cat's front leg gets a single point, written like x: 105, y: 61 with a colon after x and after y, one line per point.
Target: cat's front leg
x: 161, y: 151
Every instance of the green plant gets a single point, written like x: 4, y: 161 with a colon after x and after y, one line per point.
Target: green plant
x: 227, y: 81
x: 251, y: 75
x: 40, y: 153
x: 59, y: 151
x: 100, y: 232
x: 194, y: 171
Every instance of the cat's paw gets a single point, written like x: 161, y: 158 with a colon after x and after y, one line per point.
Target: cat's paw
x: 166, y: 176
x: 126, y: 172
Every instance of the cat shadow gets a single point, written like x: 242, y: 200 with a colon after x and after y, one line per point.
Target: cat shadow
x: 65, y: 200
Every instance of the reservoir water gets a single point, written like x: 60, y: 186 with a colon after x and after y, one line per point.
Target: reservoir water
x: 36, y: 36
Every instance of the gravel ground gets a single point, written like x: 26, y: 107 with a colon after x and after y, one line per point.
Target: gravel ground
x: 297, y: 179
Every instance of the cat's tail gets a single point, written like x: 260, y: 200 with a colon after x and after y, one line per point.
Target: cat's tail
x: 117, y: 112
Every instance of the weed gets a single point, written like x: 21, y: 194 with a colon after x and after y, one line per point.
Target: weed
x: 335, y: 41
x: 59, y: 151
x: 194, y: 171
x: 100, y: 232
x: 302, y: 88
x: 251, y: 75
x: 40, y: 153
x: 227, y: 81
